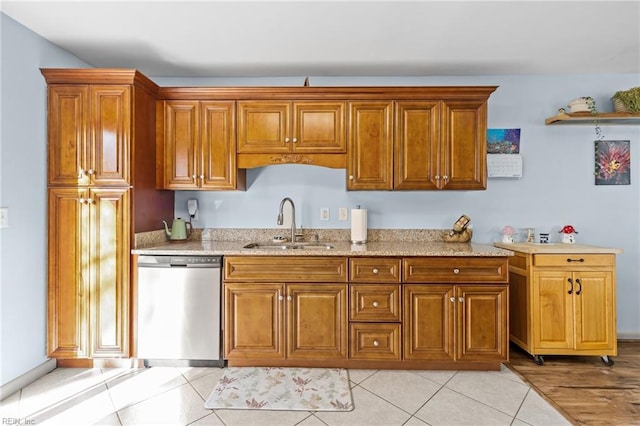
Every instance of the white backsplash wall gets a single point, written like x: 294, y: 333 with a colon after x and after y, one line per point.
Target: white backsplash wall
x: 557, y: 187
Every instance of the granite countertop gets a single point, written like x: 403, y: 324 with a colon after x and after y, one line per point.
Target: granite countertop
x: 340, y: 248
x: 557, y: 248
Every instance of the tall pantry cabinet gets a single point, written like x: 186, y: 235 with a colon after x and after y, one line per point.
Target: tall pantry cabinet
x: 101, y: 191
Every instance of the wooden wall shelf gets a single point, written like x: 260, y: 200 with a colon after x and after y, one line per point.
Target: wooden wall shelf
x: 588, y: 118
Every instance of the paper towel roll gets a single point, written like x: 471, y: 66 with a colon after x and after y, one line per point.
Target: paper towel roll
x: 358, y: 226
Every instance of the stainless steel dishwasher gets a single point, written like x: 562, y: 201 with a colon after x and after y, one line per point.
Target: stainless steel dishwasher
x: 179, y: 310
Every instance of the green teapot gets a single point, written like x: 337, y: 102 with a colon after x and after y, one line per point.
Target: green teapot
x: 178, y: 230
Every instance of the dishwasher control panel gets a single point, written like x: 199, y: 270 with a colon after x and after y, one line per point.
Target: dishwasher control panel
x: 192, y: 261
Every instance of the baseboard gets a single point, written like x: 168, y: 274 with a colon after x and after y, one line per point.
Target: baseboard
x: 628, y: 337
x: 27, y: 378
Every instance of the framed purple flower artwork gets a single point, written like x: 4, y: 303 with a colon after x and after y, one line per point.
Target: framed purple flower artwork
x: 612, y: 163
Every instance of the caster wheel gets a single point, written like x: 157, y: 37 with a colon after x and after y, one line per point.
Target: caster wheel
x: 606, y: 360
x: 538, y: 359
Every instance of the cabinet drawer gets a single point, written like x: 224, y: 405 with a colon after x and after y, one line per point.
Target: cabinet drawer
x: 374, y: 341
x: 573, y: 260
x: 373, y: 302
x: 374, y: 269
x: 285, y: 269
x: 455, y: 269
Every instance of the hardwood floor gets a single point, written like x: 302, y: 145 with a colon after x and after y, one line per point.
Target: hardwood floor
x: 583, y: 388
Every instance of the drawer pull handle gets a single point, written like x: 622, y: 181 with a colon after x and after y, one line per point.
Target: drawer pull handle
x: 376, y: 343
x: 570, y: 288
x: 452, y: 299
x: 579, y: 286
x: 375, y: 304
x: 581, y: 260
x: 375, y: 270
x: 456, y: 271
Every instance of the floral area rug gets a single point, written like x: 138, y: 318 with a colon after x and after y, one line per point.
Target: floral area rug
x: 277, y: 388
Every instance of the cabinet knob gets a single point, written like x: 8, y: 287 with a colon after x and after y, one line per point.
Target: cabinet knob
x: 91, y: 201
x: 351, y: 177
x: 445, y: 177
x: 295, y: 140
x: 452, y: 299
x: 375, y: 270
x: 289, y: 298
x: 82, y: 173
x: 82, y: 200
x: 280, y: 297
x: 376, y: 343
x: 286, y: 140
x: 460, y: 299
x: 193, y: 176
x: 201, y: 176
x: 91, y: 172
x: 456, y: 271
x: 436, y: 177
x: 375, y: 304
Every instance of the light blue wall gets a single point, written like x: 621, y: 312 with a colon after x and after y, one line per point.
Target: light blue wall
x: 23, y: 180
x: 557, y: 186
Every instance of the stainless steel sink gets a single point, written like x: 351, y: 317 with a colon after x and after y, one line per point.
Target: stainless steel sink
x: 289, y: 246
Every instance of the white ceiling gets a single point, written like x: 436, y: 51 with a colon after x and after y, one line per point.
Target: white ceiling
x: 342, y: 38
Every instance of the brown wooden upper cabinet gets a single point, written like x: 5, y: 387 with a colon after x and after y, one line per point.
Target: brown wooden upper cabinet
x: 417, y: 145
x: 291, y: 127
x: 89, y: 134
x: 199, y: 139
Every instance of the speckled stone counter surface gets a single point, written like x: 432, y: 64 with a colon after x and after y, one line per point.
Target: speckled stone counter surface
x: 399, y: 242
x: 557, y: 248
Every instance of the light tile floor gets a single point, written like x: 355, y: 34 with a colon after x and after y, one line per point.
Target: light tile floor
x: 176, y: 396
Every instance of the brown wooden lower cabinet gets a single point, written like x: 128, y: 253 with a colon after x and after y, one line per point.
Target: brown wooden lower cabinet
x: 367, y: 317
x: 285, y: 321
x: 455, y: 323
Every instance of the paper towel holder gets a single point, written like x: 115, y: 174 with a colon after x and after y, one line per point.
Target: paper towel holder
x: 358, y: 238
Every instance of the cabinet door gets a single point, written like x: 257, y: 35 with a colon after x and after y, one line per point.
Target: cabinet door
x: 482, y: 318
x: 68, y: 274
x: 68, y: 134
x: 417, y: 143
x: 552, y: 310
x: 464, y: 146
x: 428, y: 327
x: 253, y: 320
x: 109, y: 265
x: 316, y: 321
x: 594, y: 310
x: 181, y: 142
x: 217, y: 153
x: 319, y: 127
x: 370, y: 153
x: 264, y: 127
x: 110, y: 135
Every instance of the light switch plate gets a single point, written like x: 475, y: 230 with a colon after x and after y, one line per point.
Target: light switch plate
x: 324, y: 213
x: 4, y: 217
x: 342, y: 214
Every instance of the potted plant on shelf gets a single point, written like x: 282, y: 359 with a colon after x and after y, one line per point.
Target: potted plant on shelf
x: 627, y: 100
x: 588, y: 104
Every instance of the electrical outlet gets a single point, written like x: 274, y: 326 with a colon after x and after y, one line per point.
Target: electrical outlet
x: 4, y: 217
x: 342, y: 214
x: 324, y: 213
x: 192, y: 208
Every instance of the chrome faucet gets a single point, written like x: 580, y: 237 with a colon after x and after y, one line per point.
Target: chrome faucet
x: 293, y: 217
